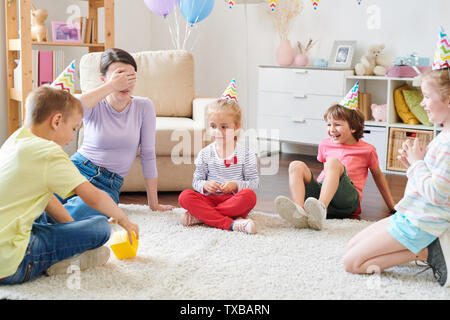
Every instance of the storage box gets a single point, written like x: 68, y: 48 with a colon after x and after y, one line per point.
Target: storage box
x: 412, y: 60
x: 121, y: 246
x: 396, y: 138
x: 376, y: 136
x: 405, y: 71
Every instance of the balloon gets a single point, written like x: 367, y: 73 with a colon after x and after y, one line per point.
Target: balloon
x: 161, y: 7
x: 196, y: 10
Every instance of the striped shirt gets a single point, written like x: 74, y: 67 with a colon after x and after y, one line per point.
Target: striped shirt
x: 209, y: 166
x: 426, y: 202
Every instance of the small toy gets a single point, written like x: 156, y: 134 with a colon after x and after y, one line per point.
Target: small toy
x: 121, y: 246
x: 372, y: 63
x: 379, y: 112
x: 38, y: 28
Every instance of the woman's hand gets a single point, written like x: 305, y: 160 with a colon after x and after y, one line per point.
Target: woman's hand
x: 120, y: 80
x: 229, y: 187
x: 162, y: 207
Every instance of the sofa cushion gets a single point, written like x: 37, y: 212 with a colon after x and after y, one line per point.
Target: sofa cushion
x: 166, y: 77
x: 180, y: 136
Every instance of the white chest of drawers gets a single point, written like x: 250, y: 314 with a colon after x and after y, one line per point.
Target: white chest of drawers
x: 294, y: 100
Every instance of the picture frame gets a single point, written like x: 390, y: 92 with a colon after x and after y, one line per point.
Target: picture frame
x: 342, y: 54
x: 66, y: 32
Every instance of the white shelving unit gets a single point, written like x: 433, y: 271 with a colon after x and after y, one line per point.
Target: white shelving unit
x: 382, y: 91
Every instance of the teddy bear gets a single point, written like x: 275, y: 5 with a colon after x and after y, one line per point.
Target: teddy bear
x: 38, y: 28
x: 379, y: 112
x: 372, y: 63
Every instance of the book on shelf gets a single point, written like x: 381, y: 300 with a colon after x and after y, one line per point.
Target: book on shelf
x: 46, y: 66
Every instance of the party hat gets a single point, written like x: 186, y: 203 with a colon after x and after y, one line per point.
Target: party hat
x: 273, y: 4
x: 315, y: 4
x: 231, y: 3
x: 442, y: 54
x: 351, y: 99
x: 66, y: 80
x: 230, y: 93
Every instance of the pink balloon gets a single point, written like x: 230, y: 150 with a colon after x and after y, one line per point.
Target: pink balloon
x: 161, y: 7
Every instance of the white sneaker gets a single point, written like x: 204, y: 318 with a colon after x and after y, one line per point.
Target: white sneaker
x: 188, y: 219
x: 88, y: 259
x: 244, y: 225
x: 291, y: 211
x: 316, y: 212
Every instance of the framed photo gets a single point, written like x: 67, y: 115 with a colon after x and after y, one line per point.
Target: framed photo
x: 342, y: 54
x: 65, y: 32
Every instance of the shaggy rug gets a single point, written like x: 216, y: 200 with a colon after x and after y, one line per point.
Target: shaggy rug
x: 200, y: 262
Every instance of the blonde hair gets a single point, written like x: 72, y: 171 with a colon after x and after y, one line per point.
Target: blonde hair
x: 44, y: 101
x: 440, y: 79
x: 225, y: 106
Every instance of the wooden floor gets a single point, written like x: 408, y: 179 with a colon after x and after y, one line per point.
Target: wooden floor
x: 373, y: 206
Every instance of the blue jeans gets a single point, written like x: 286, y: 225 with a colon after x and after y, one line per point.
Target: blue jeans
x: 101, y: 178
x: 51, y: 243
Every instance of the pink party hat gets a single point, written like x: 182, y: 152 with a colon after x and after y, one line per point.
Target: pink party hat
x: 230, y: 92
x: 66, y: 80
x: 442, y: 53
x: 351, y: 99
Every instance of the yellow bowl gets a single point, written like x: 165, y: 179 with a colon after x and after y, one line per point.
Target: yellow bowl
x: 121, y: 246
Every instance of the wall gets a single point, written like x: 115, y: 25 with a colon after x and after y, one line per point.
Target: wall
x: 132, y: 25
x: 234, y: 42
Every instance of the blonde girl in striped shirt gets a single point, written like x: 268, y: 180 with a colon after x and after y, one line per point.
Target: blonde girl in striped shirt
x: 419, y: 230
x: 226, y: 175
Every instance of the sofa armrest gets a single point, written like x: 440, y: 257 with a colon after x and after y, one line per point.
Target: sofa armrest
x: 199, y: 115
x: 199, y: 110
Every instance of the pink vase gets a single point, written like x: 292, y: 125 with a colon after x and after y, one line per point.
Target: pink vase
x: 285, y: 53
x: 301, y: 60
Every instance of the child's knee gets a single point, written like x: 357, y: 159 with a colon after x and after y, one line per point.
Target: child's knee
x: 297, y: 167
x: 250, y: 195
x: 333, y: 164
x: 102, y: 228
x: 185, y: 195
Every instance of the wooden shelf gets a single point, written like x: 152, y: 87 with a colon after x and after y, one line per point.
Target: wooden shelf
x: 69, y: 44
x: 19, y: 46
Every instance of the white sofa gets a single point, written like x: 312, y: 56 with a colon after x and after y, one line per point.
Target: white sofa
x: 167, y: 78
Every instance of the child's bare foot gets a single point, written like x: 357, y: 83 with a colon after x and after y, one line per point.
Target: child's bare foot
x: 292, y: 212
x: 188, y: 219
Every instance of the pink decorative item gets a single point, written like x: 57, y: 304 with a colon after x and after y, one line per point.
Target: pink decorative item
x: 379, y: 112
x: 285, y: 53
x: 405, y: 71
x: 301, y: 60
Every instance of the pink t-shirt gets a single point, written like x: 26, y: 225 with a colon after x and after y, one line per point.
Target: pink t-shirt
x: 357, y: 159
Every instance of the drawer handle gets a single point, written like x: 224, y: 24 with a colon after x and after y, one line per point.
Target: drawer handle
x: 298, y: 120
x: 303, y: 71
x: 300, y: 95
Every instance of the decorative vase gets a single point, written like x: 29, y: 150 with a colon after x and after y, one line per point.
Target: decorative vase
x: 301, y: 60
x: 285, y: 53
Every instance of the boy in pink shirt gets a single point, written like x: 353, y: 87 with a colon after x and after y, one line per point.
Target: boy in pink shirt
x: 337, y: 192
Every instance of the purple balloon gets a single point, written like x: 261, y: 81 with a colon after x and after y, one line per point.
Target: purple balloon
x: 161, y: 7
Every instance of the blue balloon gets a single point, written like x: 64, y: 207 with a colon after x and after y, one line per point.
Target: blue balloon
x: 196, y: 10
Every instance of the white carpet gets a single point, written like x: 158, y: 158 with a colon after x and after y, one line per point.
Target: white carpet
x: 200, y: 262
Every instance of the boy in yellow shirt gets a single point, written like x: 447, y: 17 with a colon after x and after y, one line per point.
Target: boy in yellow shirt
x: 34, y: 167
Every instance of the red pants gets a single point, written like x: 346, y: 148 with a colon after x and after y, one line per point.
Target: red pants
x: 218, y: 210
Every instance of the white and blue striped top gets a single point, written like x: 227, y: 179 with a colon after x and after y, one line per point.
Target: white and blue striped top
x: 426, y: 202
x: 209, y: 166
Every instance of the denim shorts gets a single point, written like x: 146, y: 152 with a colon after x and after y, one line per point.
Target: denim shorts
x: 412, y: 237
